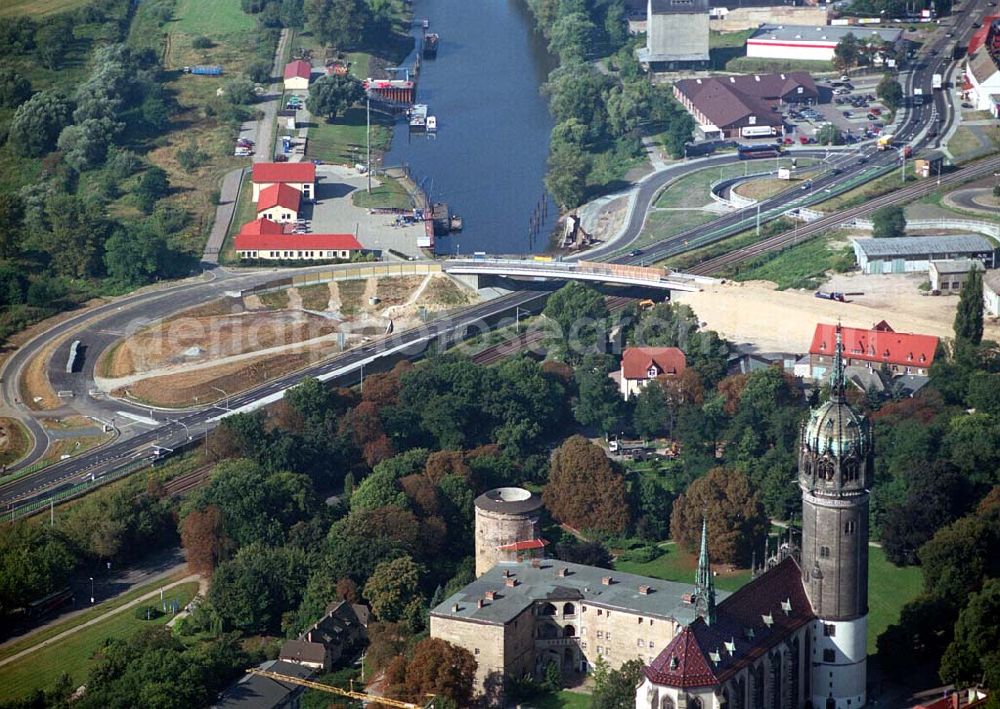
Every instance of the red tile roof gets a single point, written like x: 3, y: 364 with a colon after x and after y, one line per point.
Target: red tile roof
x: 279, y: 195
x: 636, y: 361
x: 299, y: 68
x: 263, y: 226
x: 876, y: 345
x: 703, y: 657
x: 524, y: 546
x: 297, y: 242
x: 978, y: 38
x: 268, y: 172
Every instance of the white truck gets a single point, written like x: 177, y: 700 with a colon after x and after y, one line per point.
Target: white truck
x: 937, y: 81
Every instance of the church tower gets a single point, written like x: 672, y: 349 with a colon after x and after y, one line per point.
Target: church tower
x: 835, y: 474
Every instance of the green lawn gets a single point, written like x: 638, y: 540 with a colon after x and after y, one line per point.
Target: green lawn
x: 211, y: 19
x: 37, y: 8
x: 660, y: 225
x: 760, y: 65
x: 246, y: 211
x: 75, y: 654
x: 889, y: 589
x: 390, y: 194
x: 693, y: 190
x: 562, y: 700
x: 801, y: 266
x: 679, y: 566
x: 344, y: 140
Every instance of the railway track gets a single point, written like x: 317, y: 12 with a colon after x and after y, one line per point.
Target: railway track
x: 807, y: 231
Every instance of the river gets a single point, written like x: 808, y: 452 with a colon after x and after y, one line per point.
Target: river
x: 488, y: 159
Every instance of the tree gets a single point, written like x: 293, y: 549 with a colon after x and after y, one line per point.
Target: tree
x: 958, y: 559
x: 969, y: 314
x: 974, y: 654
x: 566, y: 177
x: 436, y: 668
x: 615, y: 689
x: 847, y: 53
x: 11, y: 219
x: 889, y: 222
x: 333, y: 95
x: 203, y: 537
x: 736, y: 519
x: 259, y: 71
x: 393, y: 590
x: 152, y: 186
x: 584, y: 489
x: 14, y: 88
x: 75, y: 236
x: 340, y: 23
x: 890, y: 92
x: 37, y: 123
x: 202, y: 42
x: 592, y: 553
x: 34, y: 561
x: 239, y: 92
x: 53, y: 41
x: 651, y: 417
x: 581, y: 313
x: 569, y: 37
x: 85, y: 145
x: 252, y: 591
x: 830, y: 135
x: 599, y: 404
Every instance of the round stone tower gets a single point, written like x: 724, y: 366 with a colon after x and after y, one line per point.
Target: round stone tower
x: 835, y: 474
x: 507, y: 526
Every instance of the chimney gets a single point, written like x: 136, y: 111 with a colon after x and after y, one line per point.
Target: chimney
x: 506, y: 573
x: 491, y: 595
x: 607, y: 580
x: 455, y: 608
x: 644, y: 589
x: 562, y: 572
x: 479, y: 603
x: 511, y: 582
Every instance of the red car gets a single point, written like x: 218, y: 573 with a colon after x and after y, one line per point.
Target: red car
x: 789, y: 141
x: 804, y: 140
x: 877, y: 111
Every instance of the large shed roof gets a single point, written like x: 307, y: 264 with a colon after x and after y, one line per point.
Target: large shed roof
x: 923, y: 245
x: 825, y: 33
x: 663, y: 599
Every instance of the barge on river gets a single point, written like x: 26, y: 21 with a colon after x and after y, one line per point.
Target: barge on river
x: 431, y: 41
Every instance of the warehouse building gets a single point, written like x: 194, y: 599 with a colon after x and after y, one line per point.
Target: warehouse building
x: 743, y: 106
x: 812, y: 43
x: 676, y: 35
x: 950, y: 275
x: 911, y: 254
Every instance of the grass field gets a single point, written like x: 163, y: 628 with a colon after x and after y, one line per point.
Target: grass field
x: 16, y: 441
x: 37, y: 8
x: 344, y: 141
x: 211, y: 19
x: 75, y: 654
x: 390, y: 194
x: 678, y: 565
x: 660, y: 225
x: 800, y: 266
x: 560, y: 700
x: 759, y: 65
x: 889, y: 589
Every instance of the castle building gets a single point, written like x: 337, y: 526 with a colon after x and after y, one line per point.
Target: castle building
x: 796, y: 634
x: 507, y: 527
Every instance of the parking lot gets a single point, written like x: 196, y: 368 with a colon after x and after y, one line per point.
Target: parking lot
x: 851, y: 106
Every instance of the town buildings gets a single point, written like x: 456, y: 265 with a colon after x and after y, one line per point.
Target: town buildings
x: 813, y: 42
x: 676, y: 35
x: 279, y: 203
x: 258, y: 692
x: 296, y: 247
x: 300, y: 175
x: 341, y: 629
x: 881, y: 346
x: 297, y: 74
x: 981, y: 80
x: 914, y: 253
x: 950, y: 275
x: 743, y: 106
x: 795, y: 635
x: 641, y: 365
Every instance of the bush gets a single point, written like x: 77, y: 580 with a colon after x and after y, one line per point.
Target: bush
x: 640, y: 555
x: 147, y: 612
x: 201, y: 42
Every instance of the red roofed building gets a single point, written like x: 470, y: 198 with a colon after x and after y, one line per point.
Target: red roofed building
x: 300, y: 175
x: 262, y: 225
x: 297, y: 247
x: 279, y: 203
x: 901, y: 352
x: 297, y: 75
x: 641, y: 365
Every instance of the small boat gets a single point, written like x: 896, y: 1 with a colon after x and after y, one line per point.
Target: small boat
x: 432, y: 124
x: 418, y: 117
x: 431, y: 41
x: 455, y: 222
x: 426, y: 23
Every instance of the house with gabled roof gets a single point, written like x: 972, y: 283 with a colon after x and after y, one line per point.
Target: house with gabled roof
x: 641, y: 365
x: 279, y: 203
x: 899, y: 352
x: 300, y: 175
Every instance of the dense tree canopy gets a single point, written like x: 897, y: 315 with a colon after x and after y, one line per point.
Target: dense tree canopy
x: 584, y: 490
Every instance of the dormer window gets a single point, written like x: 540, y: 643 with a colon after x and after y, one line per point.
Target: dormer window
x: 651, y: 372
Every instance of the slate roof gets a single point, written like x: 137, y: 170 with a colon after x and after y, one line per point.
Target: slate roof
x: 256, y: 692
x: 303, y: 651
x: 727, y: 100
x: 636, y: 361
x: 747, y: 625
x: 665, y: 600
x: 876, y: 345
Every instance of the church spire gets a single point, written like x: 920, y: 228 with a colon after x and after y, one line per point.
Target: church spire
x: 704, y: 593
x: 838, y: 379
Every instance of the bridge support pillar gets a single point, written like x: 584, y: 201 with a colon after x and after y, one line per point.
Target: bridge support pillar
x: 472, y: 280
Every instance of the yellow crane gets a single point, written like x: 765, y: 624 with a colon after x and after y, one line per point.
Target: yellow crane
x: 361, y: 696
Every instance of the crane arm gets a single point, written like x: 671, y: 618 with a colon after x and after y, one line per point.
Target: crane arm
x: 361, y: 696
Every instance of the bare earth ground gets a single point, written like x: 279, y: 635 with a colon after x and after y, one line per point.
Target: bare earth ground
x: 756, y: 316
x: 186, y: 360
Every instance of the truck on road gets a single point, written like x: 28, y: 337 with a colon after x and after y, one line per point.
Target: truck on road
x: 885, y: 141
x: 937, y: 81
x: 918, y: 97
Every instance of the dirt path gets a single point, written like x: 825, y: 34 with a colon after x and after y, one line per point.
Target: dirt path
x: 93, y: 621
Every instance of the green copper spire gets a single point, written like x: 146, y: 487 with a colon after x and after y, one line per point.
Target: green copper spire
x: 838, y: 378
x: 704, y: 594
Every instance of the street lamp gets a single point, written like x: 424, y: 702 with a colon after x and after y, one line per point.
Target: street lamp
x: 224, y: 394
x: 91, y: 590
x: 187, y: 431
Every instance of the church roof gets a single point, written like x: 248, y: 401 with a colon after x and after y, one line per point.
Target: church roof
x: 748, y: 624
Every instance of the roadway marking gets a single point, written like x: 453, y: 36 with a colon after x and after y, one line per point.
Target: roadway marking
x: 138, y: 419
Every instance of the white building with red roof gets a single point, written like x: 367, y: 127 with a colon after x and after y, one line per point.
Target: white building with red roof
x: 901, y: 352
x: 296, y: 247
x: 300, y: 175
x: 279, y: 203
x: 297, y: 75
x: 641, y: 365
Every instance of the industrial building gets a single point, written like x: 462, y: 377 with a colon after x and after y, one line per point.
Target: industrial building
x: 676, y: 35
x: 949, y: 276
x: 810, y: 42
x: 912, y: 254
x: 743, y: 106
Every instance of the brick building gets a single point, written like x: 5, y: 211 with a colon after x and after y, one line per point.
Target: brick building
x: 901, y: 352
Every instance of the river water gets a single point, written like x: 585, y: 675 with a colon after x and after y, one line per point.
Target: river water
x: 488, y: 159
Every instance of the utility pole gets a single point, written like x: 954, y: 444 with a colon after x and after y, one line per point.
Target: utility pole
x: 368, y: 134
x: 758, y: 218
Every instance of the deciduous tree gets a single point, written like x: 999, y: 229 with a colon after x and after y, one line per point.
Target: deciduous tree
x: 889, y: 222
x: 332, y: 95
x: 15, y: 89
x: 203, y: 536
x: 584, y: 489
x: 393, y: 590
x: 37, y: 123
x: 437, y: 667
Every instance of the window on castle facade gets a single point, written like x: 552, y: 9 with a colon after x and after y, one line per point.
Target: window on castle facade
x: 829, y: 656
x: 824, y: 552
x: 829, y: 630
x: 850, y: 527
